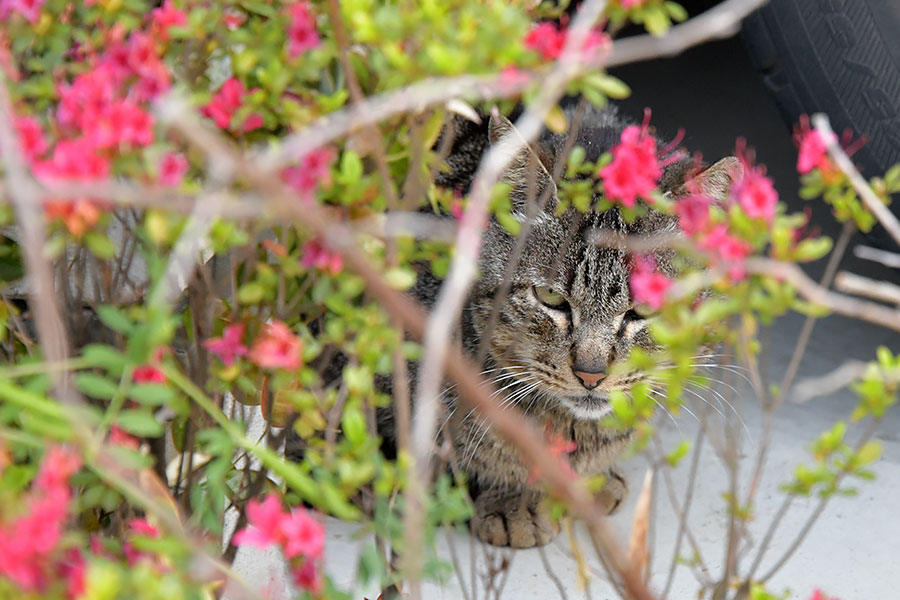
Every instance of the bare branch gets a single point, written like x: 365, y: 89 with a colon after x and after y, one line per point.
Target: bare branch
x: 868, y: 197
x: 888, y: 259
x: 720, y: 21
x: 884, y: 291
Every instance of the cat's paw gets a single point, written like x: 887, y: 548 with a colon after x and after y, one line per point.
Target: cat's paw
x: 614, y: 491
x: 516, y: 526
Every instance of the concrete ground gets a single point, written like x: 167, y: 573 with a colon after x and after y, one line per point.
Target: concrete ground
x: 853, y: 553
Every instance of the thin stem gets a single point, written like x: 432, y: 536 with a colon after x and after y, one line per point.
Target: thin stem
x: 683, y: 515
x: 831, y: 268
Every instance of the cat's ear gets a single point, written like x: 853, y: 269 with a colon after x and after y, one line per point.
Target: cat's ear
x: 716, y: 181
x: 524, y: 167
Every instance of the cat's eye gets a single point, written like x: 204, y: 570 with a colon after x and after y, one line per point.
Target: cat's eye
x: 550, y: 297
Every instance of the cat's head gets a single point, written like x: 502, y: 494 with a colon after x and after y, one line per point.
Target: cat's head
x: 568, y: 315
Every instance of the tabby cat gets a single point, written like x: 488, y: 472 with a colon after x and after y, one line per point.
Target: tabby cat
x: 568, y: 315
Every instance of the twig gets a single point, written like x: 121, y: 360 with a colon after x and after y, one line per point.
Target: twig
x: 542, y: 552
x: 844, y: 375
x: 685, y: 508
x: 718, y: 22
x: 831, y: 268
x: 816, y: 513
x: 48, y: 319
x: 888, y: 259
x: 885, y: 291
x: 868, y: 197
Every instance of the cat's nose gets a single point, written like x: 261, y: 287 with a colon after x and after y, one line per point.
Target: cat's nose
x: 590, y: 380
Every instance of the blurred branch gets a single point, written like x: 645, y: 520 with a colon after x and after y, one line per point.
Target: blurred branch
x: 721, y: 21
x: 39, y: 272
x: 885, y: 291
x: 869, y: 198
x: 888, y: 259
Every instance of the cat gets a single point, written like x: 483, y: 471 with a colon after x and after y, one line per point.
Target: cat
x: 568, y: 315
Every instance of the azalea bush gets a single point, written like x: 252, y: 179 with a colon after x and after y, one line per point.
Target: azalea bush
x: 201, y: 288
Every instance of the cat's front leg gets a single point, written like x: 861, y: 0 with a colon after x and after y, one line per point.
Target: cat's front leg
x: 505, y: 517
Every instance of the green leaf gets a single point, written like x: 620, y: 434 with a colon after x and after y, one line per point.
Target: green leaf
x: 870, y: 452
x: 612, y: 87
x: 115, y: 319
x: 100, y: 245
x: 105, y: 357
x: 251, y: 293
x: 154, y: 394
x: 139, y: 422
x: 812, y: 249
x: 351, y: 167
x: 95, y: 386
x: 353, y: 424
x: 400, y: 278
x: 676, y: 11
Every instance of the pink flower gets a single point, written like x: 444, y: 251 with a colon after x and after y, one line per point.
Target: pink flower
x: 120, y: 437
x: 124, y: 123
x: 265, y: 524
x: 628, y: 4
x: 649, y: 286
x: 76, y: 160
x: 73, y: 569
x: 634, y: 169
x: 233, y: 20
x: 225, y: 102
x: 229, y: 346
x: 314, y: 169
x: 58, y: 465
x: 148, y: 374
x: 316, y: 255
x: 166, y: 16
x: 513, y: 79
x: 756, y: 194
x: 31, y: 138
x: 727, y: 249
x: 143, y: 528
x: 277, y: 348
x: 28, y: 544
x: 307, y: 577
x: 693, y: 213
x: 300, y: 537
x: 253, y: 121
x: 301, y: 32
x: 172, y: 168
x: 85, y: 101
x: 30, y: 9
x: 546, y: 40
x: 304, y: 535
x: 813, y: 152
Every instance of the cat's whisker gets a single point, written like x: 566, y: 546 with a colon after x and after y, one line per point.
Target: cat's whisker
x: 700, y: 397
x: 730, y: 405
x: 469, y: 456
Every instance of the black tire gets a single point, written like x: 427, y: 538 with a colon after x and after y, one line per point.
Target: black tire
x: 840, y: 57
